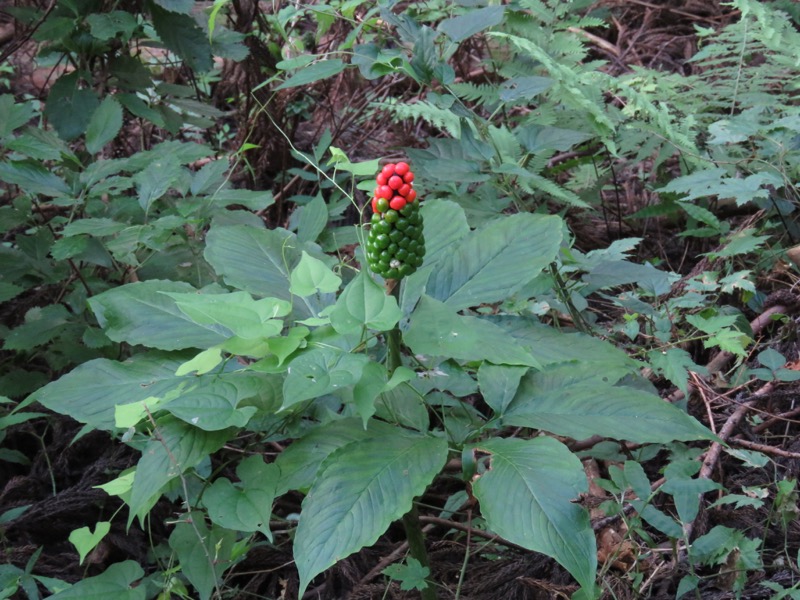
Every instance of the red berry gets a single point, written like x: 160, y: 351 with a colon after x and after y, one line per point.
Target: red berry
x: 408, y: 177
x: 388, y: 171
x: 381, y: 179
x: 397, y: 203
x: 384, y: 191
x: 374, y: 205
x: 401, y: 168
x: 404, y: 189
x: 395, y: 182
x: 412, y: 195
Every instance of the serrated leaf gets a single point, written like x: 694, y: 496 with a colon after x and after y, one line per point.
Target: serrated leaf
x: 492, y: 262
x: 181, y: 34
x: 741, y: 242
x: 360, y: 490
x: 156, y: 180
x: 142, y: 313
x: 527, y: 497
x: 364, y: 303
x: 247, y: 505
x: 9, y: 291
x: 117, y: 581
x: 106, y: 26
x: 104, y: 125
x: 41, y: 326
x: 97, y: 227
x: 410, y: 575
x: 464, y: 26
x: 33, y: 178
x: 70, y: 106
x: 13, y: 115
x: 576, y: 401
x: 675, y: 365
x: 437, y: 330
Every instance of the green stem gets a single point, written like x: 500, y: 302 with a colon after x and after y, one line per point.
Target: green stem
x: 414, y: 535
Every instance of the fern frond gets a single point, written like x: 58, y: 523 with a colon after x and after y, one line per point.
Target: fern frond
x: 440, y: 118
x: 482, y: 94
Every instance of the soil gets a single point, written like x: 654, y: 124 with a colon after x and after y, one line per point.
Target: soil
x: 58, y: 483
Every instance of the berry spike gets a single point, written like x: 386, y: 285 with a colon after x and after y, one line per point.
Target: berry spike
x: 395, y: 245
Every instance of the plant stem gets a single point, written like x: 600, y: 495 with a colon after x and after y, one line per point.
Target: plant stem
x: 414, y: 534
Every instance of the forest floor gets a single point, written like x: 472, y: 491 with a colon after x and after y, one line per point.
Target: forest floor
x: 59, y: 483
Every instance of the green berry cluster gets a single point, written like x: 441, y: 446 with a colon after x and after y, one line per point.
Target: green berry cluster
x: 395, y: 246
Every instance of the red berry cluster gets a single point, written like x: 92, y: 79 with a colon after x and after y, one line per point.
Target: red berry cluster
x: 395, y: 246
x: 394, y: 189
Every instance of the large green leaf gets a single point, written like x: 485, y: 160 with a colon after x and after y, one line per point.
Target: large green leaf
x: 117, y: 582
x: 13, y: 115
x: 364, y: 303
x: 437, y: 330
x: 491, y: 263
x: 246, y: 506
x: 33, y: 178
x: 144, y: 313
x: 236, y: 312
x: 104, y: 125
x: 300, y: 462
x: 156, y: 180
x: 320, y: 371
x: 70, y: 106
x: 259, y: 261
x: 315, y: 72
x: 550, y: 346
x: 577, y: 401
x: 204, y: 554
x: 181, y: 34
x: 312, y: 276
x: 91, y: 392
x: 499, y: 384
x: 444, y: 224
x: 214, y: 406
x: 360, y: 490
x: 312, y: 219
x: 527, y: 497
x: 42, y: 324
x: 464, y: 26
x: 175, y: 448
